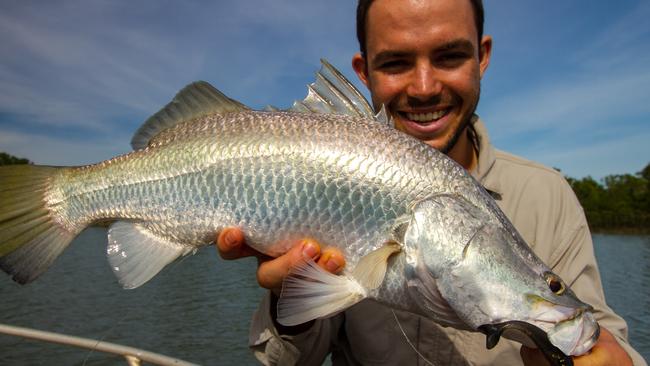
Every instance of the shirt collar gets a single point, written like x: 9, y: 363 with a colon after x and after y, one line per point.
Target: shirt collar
x: 486, y: 158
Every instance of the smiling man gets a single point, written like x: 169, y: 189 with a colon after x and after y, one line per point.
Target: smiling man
x: 424, y: 60
x: 426, y: 69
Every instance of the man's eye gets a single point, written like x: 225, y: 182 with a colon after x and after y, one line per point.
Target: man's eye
x: 393, y: 65
x: 451, y: 59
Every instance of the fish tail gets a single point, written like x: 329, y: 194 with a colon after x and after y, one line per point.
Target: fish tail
x: 31, y: 237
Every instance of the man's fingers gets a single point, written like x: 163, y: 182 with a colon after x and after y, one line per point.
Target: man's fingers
x: 271, y: 273
x: 332, y: 260
x: 229, y: 238
x: 232, y: 245
x: 606, y: 351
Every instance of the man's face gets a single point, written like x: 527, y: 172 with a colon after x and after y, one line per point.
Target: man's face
x: 424, y: 62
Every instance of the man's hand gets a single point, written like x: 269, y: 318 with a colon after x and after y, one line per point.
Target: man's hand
x: 272, y: 271
x: 605, y: 352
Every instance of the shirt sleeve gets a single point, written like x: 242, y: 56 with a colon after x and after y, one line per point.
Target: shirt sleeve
x: 575, y: 262
x: 272, y: 348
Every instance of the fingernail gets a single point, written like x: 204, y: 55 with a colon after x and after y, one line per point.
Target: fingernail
x: 333, y: 264
x: 230, y: 238
x: 309, y: 249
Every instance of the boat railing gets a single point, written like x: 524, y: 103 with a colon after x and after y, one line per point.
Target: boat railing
x: 133, y: 356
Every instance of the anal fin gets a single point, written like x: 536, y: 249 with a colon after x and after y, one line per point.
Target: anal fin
x: 136, y: 254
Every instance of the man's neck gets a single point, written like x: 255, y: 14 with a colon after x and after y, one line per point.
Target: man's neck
x: 464, y: 152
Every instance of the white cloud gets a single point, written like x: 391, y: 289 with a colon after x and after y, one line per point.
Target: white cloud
x: 618, y: 155
x: 72, y: 72
x: 579, y: 102
x: 620, y: 43
x: 571, y: 104
x: 104, y: 66
x: 80, y: 63
x: 61, y: 151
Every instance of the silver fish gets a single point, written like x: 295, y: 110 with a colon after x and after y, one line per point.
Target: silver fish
x: 419, y: 233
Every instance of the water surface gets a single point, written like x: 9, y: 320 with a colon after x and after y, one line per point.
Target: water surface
x: 624, y: 262
x: 199, y: 309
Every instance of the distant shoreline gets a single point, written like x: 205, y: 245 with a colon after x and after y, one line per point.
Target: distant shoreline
x: 621, y: 231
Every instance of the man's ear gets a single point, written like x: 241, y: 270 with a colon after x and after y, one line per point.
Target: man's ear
x: 360, y: 67
x: 485, y: 51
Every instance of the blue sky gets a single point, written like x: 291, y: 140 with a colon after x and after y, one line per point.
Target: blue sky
x: 568, y: 85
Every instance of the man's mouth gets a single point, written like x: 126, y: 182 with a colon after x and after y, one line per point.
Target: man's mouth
x: 424, y: 118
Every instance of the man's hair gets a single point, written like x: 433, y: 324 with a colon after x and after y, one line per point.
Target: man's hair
x: 362, y: 14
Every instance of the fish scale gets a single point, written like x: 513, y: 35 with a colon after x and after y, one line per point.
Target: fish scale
x: 417, y: 231
x: 347, y: 193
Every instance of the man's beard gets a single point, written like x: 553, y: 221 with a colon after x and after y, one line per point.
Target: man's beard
x: 462, y: 128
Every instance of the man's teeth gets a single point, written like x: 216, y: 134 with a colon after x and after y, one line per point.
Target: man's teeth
x: 425, y: 117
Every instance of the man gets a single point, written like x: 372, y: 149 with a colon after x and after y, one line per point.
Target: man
x: 423, y: 60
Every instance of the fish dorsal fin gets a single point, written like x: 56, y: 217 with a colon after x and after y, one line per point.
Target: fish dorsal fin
x: 384, y: 117
x: 136, y: 254
x: 333, y: 93
x: 193, y: 101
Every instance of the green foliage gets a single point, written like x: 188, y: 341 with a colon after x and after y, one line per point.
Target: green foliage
x: 621, y: 202
x: 6, y: 159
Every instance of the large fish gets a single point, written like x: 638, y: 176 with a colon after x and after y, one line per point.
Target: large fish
x: 419, y: 233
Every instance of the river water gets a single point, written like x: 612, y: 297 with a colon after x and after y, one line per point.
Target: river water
x: 198, y: 309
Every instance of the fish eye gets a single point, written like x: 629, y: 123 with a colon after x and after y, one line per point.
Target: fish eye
x: 555, y: 284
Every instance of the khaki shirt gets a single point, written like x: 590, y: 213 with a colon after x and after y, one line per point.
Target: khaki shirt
x: 545, y: 211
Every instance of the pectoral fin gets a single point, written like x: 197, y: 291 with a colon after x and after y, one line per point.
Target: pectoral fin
x: 371, y: 269
x: 136, y: 254
x: 311, y: 292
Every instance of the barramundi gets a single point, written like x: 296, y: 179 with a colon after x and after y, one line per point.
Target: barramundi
x: 418, y: 231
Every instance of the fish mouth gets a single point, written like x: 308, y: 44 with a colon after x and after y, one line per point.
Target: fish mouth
x: 571, y: 337
x: 573, y: 330
x: 576, y: 336
x: 529, y: 335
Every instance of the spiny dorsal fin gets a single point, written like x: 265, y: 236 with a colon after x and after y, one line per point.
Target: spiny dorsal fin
x: 195, y: 100
x: 333, y: 93
x: 383, y: 117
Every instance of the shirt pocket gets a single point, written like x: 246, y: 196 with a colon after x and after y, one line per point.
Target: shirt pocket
x: 374, y: 336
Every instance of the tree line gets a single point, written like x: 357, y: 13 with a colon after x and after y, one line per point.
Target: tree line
x: 6, y: 159
x: 618, y: 203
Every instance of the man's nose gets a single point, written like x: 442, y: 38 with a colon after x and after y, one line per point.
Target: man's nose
x: 424, y: 84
